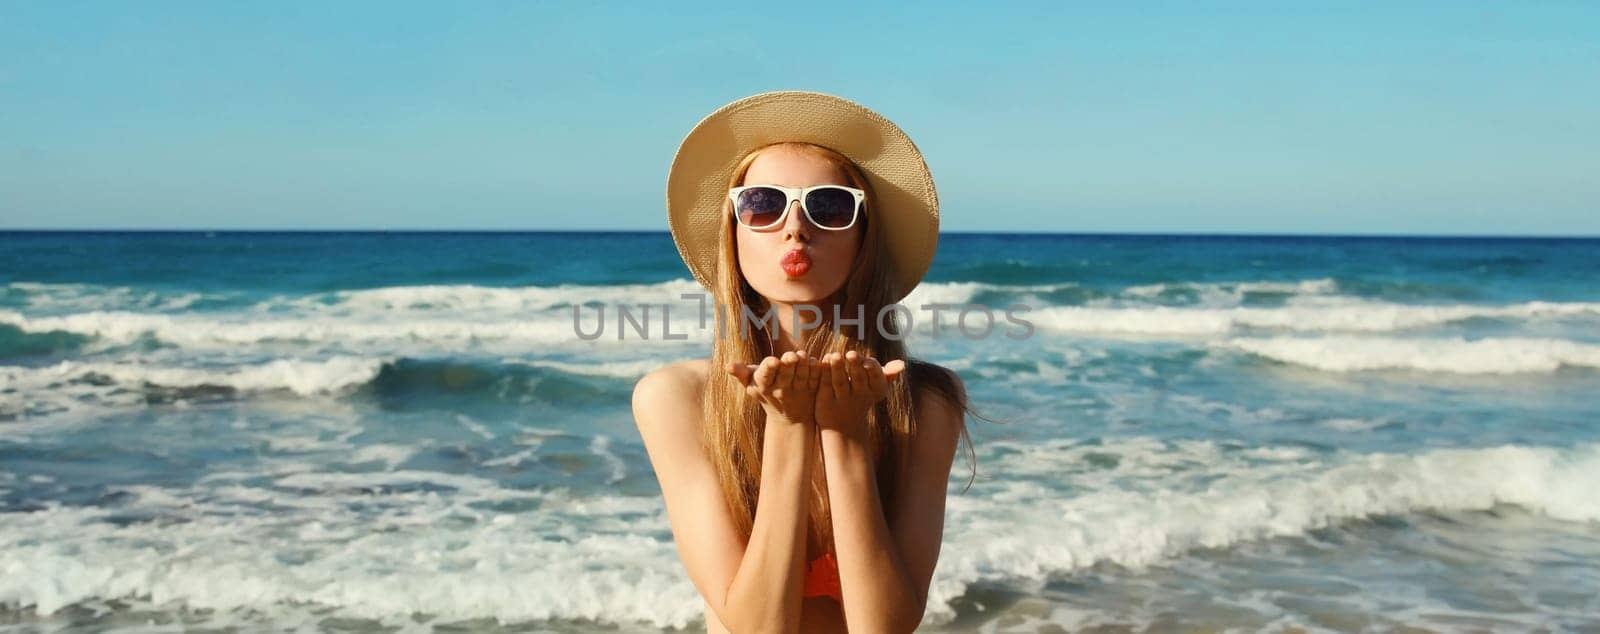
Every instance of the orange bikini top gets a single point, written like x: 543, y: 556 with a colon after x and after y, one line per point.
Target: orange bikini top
x: 822, y: 578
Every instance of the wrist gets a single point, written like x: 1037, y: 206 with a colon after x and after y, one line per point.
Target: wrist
x: 788, y: 444
x: 782, y: 419
x: 843, y: 442
x: 846, y: 455
x: 852, y: 428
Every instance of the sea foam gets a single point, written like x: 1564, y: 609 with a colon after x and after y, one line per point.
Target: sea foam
x: 1135, y: 513
x: 1339, y: 316
x: 377, y: 545
x: 1510, y: 355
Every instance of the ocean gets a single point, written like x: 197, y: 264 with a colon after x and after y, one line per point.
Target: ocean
x: 395, y: 431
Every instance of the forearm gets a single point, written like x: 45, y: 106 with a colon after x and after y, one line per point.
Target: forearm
x: 764, y: 595
x: 879, y: 594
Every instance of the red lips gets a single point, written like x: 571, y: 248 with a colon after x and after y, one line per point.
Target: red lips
x: 795, y: 263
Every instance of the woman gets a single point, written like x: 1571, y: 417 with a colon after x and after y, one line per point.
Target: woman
x: 803, y: 469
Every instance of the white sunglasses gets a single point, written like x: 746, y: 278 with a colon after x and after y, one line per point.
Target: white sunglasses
x: 831, y: 207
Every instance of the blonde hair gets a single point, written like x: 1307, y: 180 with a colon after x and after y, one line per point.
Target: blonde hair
x: 735, y: 422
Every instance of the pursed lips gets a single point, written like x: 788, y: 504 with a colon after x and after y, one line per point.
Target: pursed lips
x: 795, y: 262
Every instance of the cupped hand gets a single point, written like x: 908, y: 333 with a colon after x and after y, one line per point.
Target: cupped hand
x: 785, y: 386
x: 852, y: 384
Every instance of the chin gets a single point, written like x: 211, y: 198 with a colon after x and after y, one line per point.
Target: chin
x: 799, y: 291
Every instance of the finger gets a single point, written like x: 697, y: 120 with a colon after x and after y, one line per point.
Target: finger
x: 741, y: 371
x: 875, y: 378
x: 894, y: 369
x: 786, y: 370
x: 765, y: 373
x: 838, y: 381
x: 802, y: 370
x: 858, y: 379
x: 820, y: 374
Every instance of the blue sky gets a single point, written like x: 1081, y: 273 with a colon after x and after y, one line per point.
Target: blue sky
x: 1270, y: 117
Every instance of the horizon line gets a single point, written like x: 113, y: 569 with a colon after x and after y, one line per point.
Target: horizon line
x: 1197, y: 234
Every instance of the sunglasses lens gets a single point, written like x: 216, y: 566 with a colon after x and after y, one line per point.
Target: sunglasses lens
x: 831, y: 207
x: 760, y: 206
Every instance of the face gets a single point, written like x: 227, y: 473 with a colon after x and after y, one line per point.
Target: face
x: 762, y: 251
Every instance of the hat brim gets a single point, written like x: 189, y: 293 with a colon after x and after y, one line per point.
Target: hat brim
x: 904, y: 199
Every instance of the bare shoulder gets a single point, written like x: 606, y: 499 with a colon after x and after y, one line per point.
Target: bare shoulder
x: 670, y: 389
x: 688, y: 369
x: 934, y: 386
x: 666, y: 409
x: 940, y: 404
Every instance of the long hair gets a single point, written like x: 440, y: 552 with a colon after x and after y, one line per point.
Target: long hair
x: 735, y: 422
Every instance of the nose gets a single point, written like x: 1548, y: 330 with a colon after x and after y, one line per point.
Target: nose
x: 796, y: 226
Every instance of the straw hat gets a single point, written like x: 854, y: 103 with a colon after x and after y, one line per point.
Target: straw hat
x: 901, y: 188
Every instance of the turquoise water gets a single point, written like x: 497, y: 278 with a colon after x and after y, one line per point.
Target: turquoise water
x: 382, y: 430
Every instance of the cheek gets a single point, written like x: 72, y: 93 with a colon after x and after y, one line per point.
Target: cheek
x: 743, y: 243
x: 750, y: 252
x: 843, y: 254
